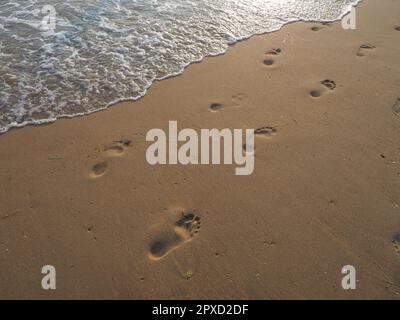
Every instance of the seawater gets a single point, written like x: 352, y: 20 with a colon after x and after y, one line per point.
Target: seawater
x: 105, y: 51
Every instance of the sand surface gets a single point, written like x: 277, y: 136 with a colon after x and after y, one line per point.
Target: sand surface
x: 78, y: 194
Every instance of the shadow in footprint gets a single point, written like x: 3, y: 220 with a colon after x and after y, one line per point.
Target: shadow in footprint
x: 98, y: 170
x: 396, y: 243
x: 315, y: 93
x: 269, y: 62
x: 181, y: 232
x: 216, y: 106
x: 397, y: 28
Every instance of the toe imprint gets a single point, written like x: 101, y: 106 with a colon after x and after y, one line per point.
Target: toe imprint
x: 330, y: 84
x: 274, y: 52
x: 184, y: 230
x: 367, y: 46
x: 190, y: 223
x: 125, y: 142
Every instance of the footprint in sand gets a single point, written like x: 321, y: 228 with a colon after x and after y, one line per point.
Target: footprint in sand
x: 328, y: 84
x: 396, y: 108
x: 396, y: 243
x: 117, y: 148
x: 320, y: 27
x: 364, y: 49
x: 273, y: 52
x: 262, y: 132
x: 98, y: 170
x: 183, y: 231
x: 397, y: 28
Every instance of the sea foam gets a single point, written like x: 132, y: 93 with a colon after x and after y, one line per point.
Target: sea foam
x: 107, y: 51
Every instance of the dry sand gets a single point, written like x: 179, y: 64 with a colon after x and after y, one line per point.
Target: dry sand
x: 325, y: 192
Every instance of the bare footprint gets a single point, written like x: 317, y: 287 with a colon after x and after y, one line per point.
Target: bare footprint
x: 262, y: 132
x: 316, y: 28
x: 117, y: 148
x: 183, y: 231
x: 396, y: 108
x: 98, y: 170
x: 328, y: 84
x: 364, y: 49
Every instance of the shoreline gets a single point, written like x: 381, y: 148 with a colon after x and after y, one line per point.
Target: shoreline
x: 132, y: 100
x: 78, y: 193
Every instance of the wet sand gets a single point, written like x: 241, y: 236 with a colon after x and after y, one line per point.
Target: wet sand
x: 78, y: 194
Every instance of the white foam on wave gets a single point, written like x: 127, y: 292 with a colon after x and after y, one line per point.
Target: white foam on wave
x: 104, y: 52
